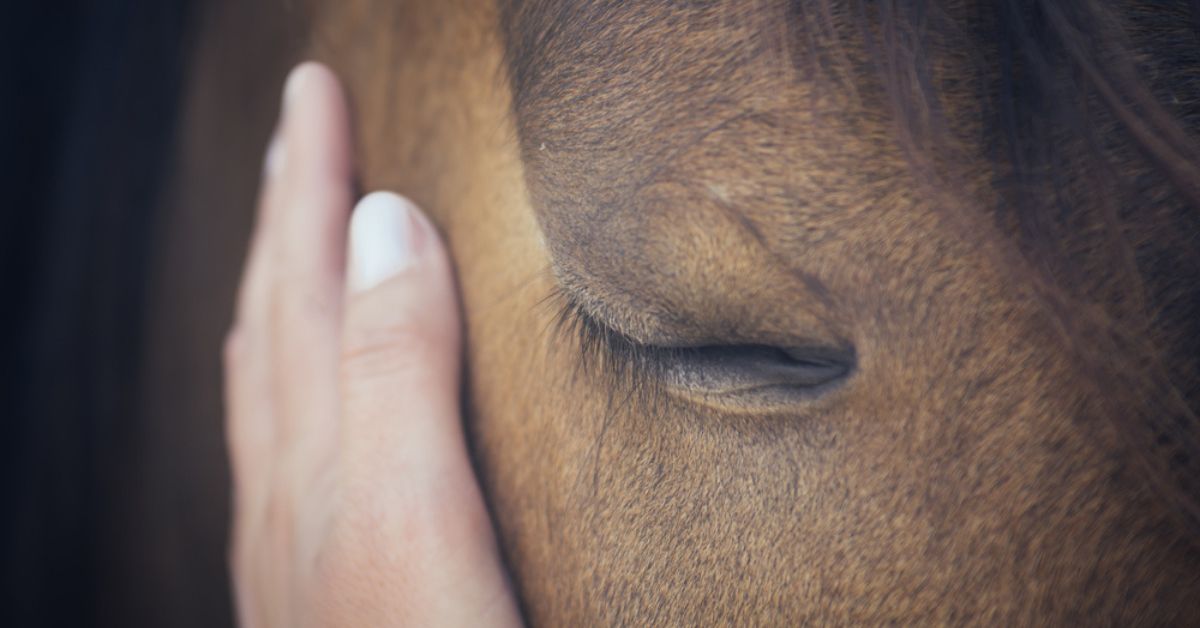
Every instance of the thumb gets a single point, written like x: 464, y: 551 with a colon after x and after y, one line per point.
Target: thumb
x: 401, y: 338
x: 407, y: 479
x: 400, y: 289
x: 401, y: 346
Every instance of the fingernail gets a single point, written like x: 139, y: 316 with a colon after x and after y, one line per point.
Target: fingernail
x: 293, y: 85
x: 383, y: 239
x: 273, y: 162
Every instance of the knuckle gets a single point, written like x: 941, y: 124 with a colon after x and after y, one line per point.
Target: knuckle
x: 301, y: 310
x: 391, y: 350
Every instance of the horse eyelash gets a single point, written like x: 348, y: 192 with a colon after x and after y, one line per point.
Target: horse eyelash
x: 618, y: 360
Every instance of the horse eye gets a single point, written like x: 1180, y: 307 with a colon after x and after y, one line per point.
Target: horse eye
x: 757, y: 372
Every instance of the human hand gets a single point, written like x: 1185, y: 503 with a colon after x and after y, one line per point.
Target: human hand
x: 355, y: 503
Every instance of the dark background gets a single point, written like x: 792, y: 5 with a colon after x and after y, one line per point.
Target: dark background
x: 88, y: 114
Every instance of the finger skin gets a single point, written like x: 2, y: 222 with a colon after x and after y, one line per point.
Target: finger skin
x: 248, y: 386
x: 245, y: 356
x: 355, y: 501
x: 280, y: 358
x: 400, y: 374
x: 309, y: 257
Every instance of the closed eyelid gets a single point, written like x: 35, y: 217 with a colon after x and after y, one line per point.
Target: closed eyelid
x: 605, y: 353
x: 574, y: 319
x: 747, y: 376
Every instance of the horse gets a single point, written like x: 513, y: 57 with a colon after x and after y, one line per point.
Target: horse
x: 777, y: 312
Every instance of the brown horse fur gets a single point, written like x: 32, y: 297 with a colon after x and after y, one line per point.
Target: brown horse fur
x: 990, y: 207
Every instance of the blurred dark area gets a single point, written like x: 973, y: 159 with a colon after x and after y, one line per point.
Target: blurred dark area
x: 87, y: 126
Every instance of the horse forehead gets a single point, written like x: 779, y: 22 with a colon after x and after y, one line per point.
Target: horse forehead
x: 643, y: 126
